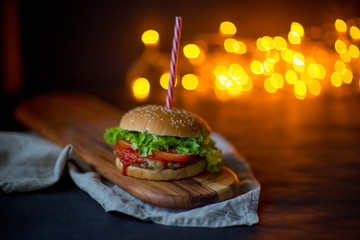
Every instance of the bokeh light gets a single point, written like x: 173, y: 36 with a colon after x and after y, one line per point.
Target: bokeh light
x: 190, y: 81
x: 227, y: 28
x: 150, y: 37
x: 141, y: 88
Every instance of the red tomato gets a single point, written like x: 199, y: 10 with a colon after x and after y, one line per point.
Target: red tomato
x: 124, y: 144
x: 171, y: 156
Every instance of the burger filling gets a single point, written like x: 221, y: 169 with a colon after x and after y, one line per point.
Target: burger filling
x: 161, y: 152
x: 129, y: 157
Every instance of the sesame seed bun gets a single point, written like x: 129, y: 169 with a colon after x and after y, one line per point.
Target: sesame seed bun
x: 165, y: 174
x: 155, y: 119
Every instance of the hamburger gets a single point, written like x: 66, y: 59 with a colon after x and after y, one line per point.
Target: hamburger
x: 155, y: 143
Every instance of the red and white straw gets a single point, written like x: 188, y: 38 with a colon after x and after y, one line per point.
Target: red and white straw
x: 173, y: 64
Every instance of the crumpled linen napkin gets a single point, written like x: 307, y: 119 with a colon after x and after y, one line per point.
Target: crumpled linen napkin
x: 29, y: 162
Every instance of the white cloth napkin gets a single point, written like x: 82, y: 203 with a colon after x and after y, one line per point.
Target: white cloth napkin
x: 28, y: 162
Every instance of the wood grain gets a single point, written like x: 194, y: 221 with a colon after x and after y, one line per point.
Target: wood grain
x: 81, y: 120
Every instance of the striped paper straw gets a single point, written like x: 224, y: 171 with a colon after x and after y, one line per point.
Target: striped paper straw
x: 173, y: 63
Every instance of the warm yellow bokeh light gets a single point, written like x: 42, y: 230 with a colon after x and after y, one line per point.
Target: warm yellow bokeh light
x: 340, y: 26
x: 291, y: 76
x: 259, y: 45
x: 233, y: 46
x: 314, y: 87
x: 299, y: 59
x: 280, y: 43
x: 322, y: 71
x: 227, y: 28
x: 219, y: 70
x: 287, y: 55
x: 235, y: 90
x: 240, y: 47
x: 355, y: 32
x: 297, y: 28
x: 267, y: 43
x: 150, y: 37
x: 340, y: 66
x: 269, y: 66
x: 336, y: 79
x: 191, y: 51
x: 190, y: 81
x: 225, y: 80
x: 141, y: 88
x: 347, y: 76
x: 164, y: 80
x: 340, y: 47
x: 237, y: 73
x: 314, y: 70
x: 257, y: 67
x: 277, y: 80
x: 299, y: 62
x: 346, y: 57
x: 354, y: 51
x: 268, y: 86
x: 294, y: 38
x: 218, y: 84
x: 300, y: 89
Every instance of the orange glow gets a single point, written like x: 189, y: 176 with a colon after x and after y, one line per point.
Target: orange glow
x: 227, y: 28
x: 231, y: 65
x: 355, y: 32
x: 340, y: 26
x: 141, y: 88
x: 150, y: 38
x: 191, y: 51
x: 164, y: 80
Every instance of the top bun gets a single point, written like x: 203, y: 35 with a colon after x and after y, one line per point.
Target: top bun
x: 155, y: 119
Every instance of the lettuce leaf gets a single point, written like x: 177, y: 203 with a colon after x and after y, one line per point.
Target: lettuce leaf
x: 145, y: 143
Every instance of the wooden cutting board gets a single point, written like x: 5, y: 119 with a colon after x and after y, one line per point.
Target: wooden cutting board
x: 81, y: 120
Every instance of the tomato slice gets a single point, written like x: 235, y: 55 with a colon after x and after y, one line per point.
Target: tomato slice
x: 177, y: 157
x: 124, y: 144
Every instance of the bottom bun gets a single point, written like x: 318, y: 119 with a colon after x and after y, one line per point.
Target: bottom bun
x: 165, y: 174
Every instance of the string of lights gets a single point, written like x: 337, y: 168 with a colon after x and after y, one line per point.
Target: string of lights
x: 305, y: 62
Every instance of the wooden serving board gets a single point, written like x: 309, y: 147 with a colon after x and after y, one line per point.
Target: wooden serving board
x: 81, y: 120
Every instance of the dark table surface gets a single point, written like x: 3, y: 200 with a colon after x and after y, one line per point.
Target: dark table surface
x: 305, y: 154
